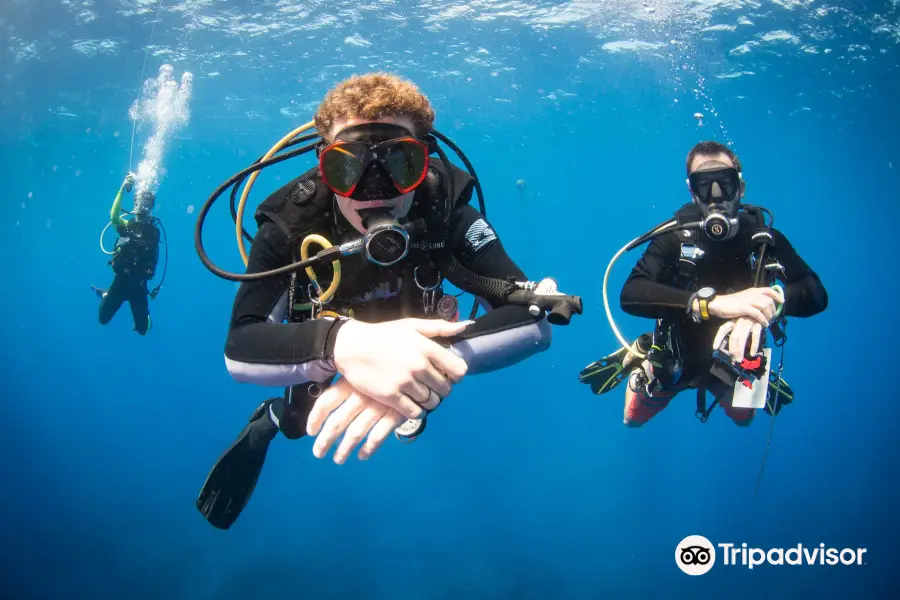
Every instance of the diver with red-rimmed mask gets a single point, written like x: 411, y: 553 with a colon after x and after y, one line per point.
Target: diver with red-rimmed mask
x: 720, y: 281
x: 362, y: 335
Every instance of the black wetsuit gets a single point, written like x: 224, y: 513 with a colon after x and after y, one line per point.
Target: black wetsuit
x: 134, y: 263
x: 649, y: 292
x: 262, y: 349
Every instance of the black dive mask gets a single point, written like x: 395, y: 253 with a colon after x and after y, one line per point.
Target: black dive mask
x: 717, y: 192
x: 406, y: 155
x: 375, y: 184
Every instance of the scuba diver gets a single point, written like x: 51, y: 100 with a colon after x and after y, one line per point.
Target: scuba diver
x: 134, y: 259
x: 394, y: 224
x: 716, y: 279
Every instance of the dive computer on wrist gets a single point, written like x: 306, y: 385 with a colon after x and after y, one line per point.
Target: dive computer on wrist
x: 704, y: 297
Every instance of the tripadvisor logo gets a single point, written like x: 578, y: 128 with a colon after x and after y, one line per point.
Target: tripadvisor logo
x: 696, y: 555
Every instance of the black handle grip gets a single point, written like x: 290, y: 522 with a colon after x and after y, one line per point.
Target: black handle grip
x: 560, y: 314
x: 560, y: 307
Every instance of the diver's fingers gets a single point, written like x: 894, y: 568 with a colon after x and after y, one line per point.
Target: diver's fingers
x: 733, y: 342
x: 434, y: 400
x: 336, y: 424
x: 436, y: 383
x: 757, y: 315
x: 361, y: 425
x: 768, y: 309
x: 417, y: 391
x: 726, y: 328
x: 737, y: 342
x: 746, y: 330
x: 771, y: 293
x: 329, y: 400
x: 780, y: 293
x: 446, y: 362
x: 388, y: 423
x: 755, y: 335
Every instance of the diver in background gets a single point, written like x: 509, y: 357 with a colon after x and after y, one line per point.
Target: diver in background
x: 700, y: 291
x: 134, y: 260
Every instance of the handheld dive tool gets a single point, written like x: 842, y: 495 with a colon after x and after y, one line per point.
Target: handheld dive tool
x: 538, y: 298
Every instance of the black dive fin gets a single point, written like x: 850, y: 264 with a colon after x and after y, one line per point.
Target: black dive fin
x: 779, y: 393
x: 231, y: 481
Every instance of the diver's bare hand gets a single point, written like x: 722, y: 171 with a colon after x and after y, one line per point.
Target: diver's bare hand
x: 395, y: 363
x: 757, y: 303
x: 741, y: 329
x: 341, y: 410
x: 128, y: 182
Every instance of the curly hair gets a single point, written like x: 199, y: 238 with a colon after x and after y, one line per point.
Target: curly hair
x: 374, y: 96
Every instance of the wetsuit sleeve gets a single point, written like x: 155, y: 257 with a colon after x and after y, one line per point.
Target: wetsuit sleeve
x: 646, y: 292
x: 507, y: 334
x: 260, y: 348
x: 804, y: 293
x: 477, y: 247
x: 115, y: 212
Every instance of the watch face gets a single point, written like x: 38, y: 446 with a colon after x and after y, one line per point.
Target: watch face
x: 706, y: 293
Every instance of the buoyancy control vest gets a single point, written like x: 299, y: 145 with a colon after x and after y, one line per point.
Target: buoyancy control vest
x: 694, y: 245
x: 306, y: 206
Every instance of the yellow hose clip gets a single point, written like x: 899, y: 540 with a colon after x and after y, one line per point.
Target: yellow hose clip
x: 328, y: 294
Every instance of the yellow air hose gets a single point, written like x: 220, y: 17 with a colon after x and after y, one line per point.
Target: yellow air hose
x: 310, y: 239
x: 304, y: 255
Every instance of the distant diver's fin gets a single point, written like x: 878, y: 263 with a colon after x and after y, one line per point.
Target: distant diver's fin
x: 231, y: 481
x: 608, y: 372
x: 605, y: 374
x: 780, y: 393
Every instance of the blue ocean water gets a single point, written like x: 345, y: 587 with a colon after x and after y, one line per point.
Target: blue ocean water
x: 525, y: 485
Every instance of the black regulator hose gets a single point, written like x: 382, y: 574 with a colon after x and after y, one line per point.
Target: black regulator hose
x: 465, y: 159
x: 499, y: 291
x: 240, y: 182
x: 326, y: 256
